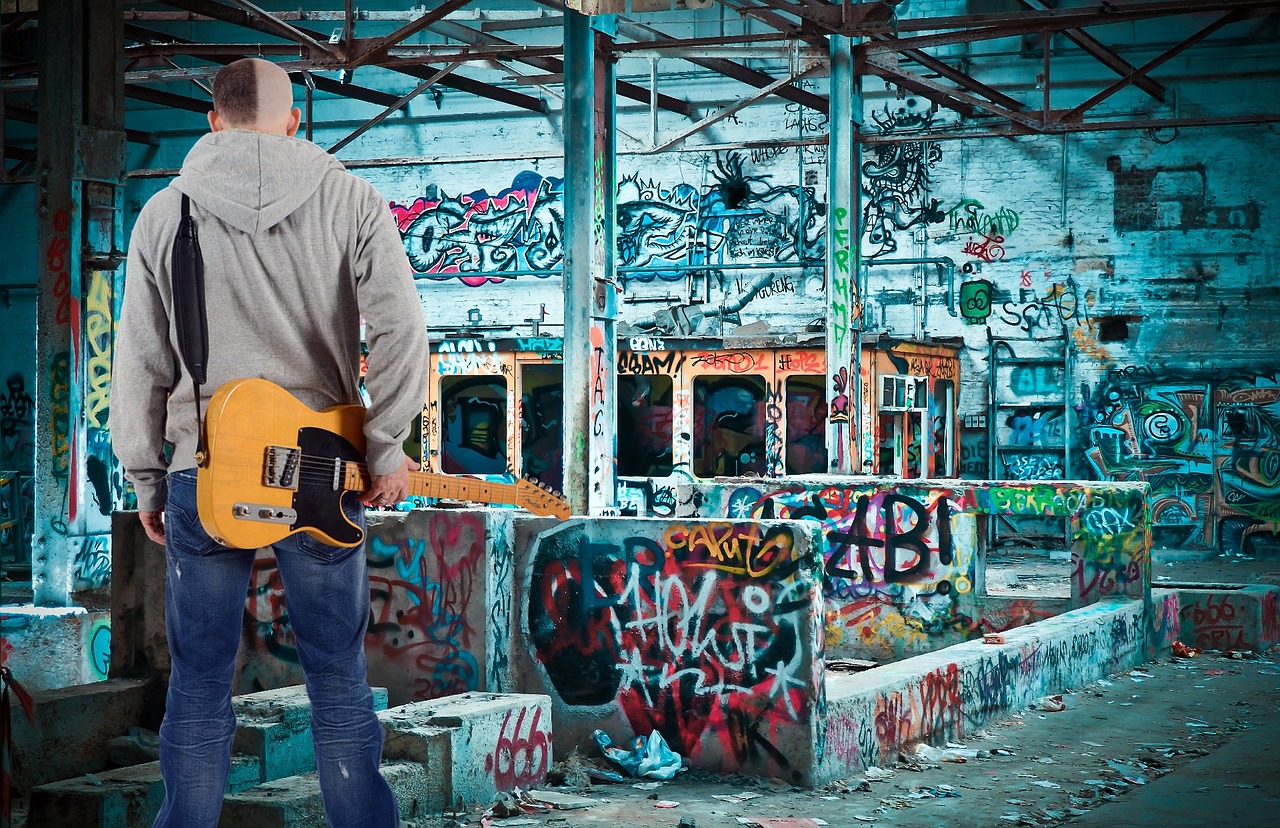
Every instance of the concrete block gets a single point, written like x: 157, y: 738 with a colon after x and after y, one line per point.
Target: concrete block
x: 709, y: 632
x: 295, y: 802
x: 1229, y: 617
x: 121, y: 798
x: 52, y: 647
x: 440, y: 598
x: 482, y: 742
x: 937, y: 696
x: 73, y: 726
x: 275, y: 727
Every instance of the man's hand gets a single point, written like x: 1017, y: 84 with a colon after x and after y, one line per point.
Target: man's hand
x: 389, y: 489
x: 153, y: 525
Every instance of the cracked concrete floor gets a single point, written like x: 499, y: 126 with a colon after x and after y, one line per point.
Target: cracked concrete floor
x: 1173, y: 743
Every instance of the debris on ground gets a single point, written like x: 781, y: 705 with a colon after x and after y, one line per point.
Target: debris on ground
x: 738, y: 797
x: 1181, y: 650
x: 561, y: 801
x: 782, y: 822
x: 1049, y: 704
x: 649, y: 756
x: 951, y: 753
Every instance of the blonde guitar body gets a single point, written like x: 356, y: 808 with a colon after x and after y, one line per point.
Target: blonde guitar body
x: 241, y: 504
x: 275, y: 467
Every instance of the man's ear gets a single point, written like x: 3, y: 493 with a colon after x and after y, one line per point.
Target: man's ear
x: 295, y: 118
x: 215, y: 122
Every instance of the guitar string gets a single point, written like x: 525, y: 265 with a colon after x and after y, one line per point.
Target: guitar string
x: 320, y: 470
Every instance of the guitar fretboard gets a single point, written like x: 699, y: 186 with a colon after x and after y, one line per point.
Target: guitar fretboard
x: 441, y: 486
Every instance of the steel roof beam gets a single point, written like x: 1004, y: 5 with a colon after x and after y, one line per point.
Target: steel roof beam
x: 156, y: 96
x: 259, y: 21
x: 556, y: 66
x: 1105, y: 55
x: 730, y: 69
x: 346, y: 90
x: 374, y: 48
x: 29, y: 116
x: 1077, y: 113
x: 971, y: 101
x: 462, y: 83
x: 959, y: 78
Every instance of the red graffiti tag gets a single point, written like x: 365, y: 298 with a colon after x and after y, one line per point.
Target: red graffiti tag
x: 522, y: 755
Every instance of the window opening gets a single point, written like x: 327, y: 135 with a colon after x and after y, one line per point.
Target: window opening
x: 729, y: 425
x: 644, y: 426
x: 542, y: 423
x: 806, y: 451
x: 474, y: 433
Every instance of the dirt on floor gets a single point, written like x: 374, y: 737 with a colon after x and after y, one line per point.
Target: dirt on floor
x: 1032, y: 768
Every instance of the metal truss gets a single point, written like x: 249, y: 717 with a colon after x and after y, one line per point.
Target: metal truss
x: 902, y: 51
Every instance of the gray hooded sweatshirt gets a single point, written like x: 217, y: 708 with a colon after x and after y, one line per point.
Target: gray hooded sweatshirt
x: 296, y: 252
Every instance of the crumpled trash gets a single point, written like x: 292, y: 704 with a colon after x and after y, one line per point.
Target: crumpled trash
x: 874, y: 774
x: 1181, y: 650
x: 1049, y: 704
x: 951, y: 753
x: 650, y: 757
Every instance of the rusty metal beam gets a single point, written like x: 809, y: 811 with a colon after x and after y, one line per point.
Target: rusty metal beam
x: 1105, y: 55
x: 401, y: 101
x: 729, y: 68
x: 282, y: 29
x: 900, y: 76
x: 29, y: 116
x: 258, y: 21
x: 462, y: 83
x: 959, y: 78
x: 374, y: 48
x: 156, y: 96
x: 346, y: 90
x: 1077, y: 112
x: 556, y: 66
x: 209, y: 49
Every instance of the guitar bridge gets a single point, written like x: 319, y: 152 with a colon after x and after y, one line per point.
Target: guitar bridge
x: 280, y: 470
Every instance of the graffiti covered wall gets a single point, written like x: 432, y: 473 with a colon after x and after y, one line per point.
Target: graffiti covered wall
x: 440, y: 584
x: 706, y: 631
x: 903, y: 568
x: 1152, y: 262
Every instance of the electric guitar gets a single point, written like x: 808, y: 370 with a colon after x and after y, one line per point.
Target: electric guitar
x: 274, y: 467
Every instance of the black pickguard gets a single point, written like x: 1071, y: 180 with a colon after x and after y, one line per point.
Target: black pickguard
x: 318, y: 505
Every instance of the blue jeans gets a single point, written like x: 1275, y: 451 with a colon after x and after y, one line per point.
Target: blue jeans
x: 327, y: 593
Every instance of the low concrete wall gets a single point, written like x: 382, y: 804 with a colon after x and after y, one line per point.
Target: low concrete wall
x: 51, y: 647
x: 946, y: 694
x: 903, y: 566
x: 1223, y: 617
x: 439, y: 582
x: 707, y: 631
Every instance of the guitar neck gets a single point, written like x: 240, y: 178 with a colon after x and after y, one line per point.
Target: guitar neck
x: 438, y: 486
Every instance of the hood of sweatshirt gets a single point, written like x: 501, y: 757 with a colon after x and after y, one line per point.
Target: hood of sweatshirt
x: 252, y: 180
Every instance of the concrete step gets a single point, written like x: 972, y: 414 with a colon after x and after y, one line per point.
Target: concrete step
x: 121, y: 798
x: 473, y: 745
x: 275, y: 726
x: 272, y: 741
x: 295, y: 802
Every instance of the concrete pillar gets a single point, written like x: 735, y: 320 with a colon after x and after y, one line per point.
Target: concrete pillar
x: 590, y: 337
x: 79, y: 201
x: 844, y: 305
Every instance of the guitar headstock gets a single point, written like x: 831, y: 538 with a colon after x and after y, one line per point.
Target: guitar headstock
x: 541, y: 499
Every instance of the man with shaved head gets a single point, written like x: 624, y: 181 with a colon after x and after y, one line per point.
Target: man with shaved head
x: 298, y: 253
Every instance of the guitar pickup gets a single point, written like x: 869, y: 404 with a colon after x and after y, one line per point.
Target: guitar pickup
x: 280, y: 469
x: 264, y: 513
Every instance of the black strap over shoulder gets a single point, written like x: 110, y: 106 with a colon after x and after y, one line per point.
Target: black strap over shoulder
x: 187, y: 271
x: 188, y: 296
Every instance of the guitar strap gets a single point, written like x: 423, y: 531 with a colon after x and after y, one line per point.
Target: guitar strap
x: 187, y: 271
